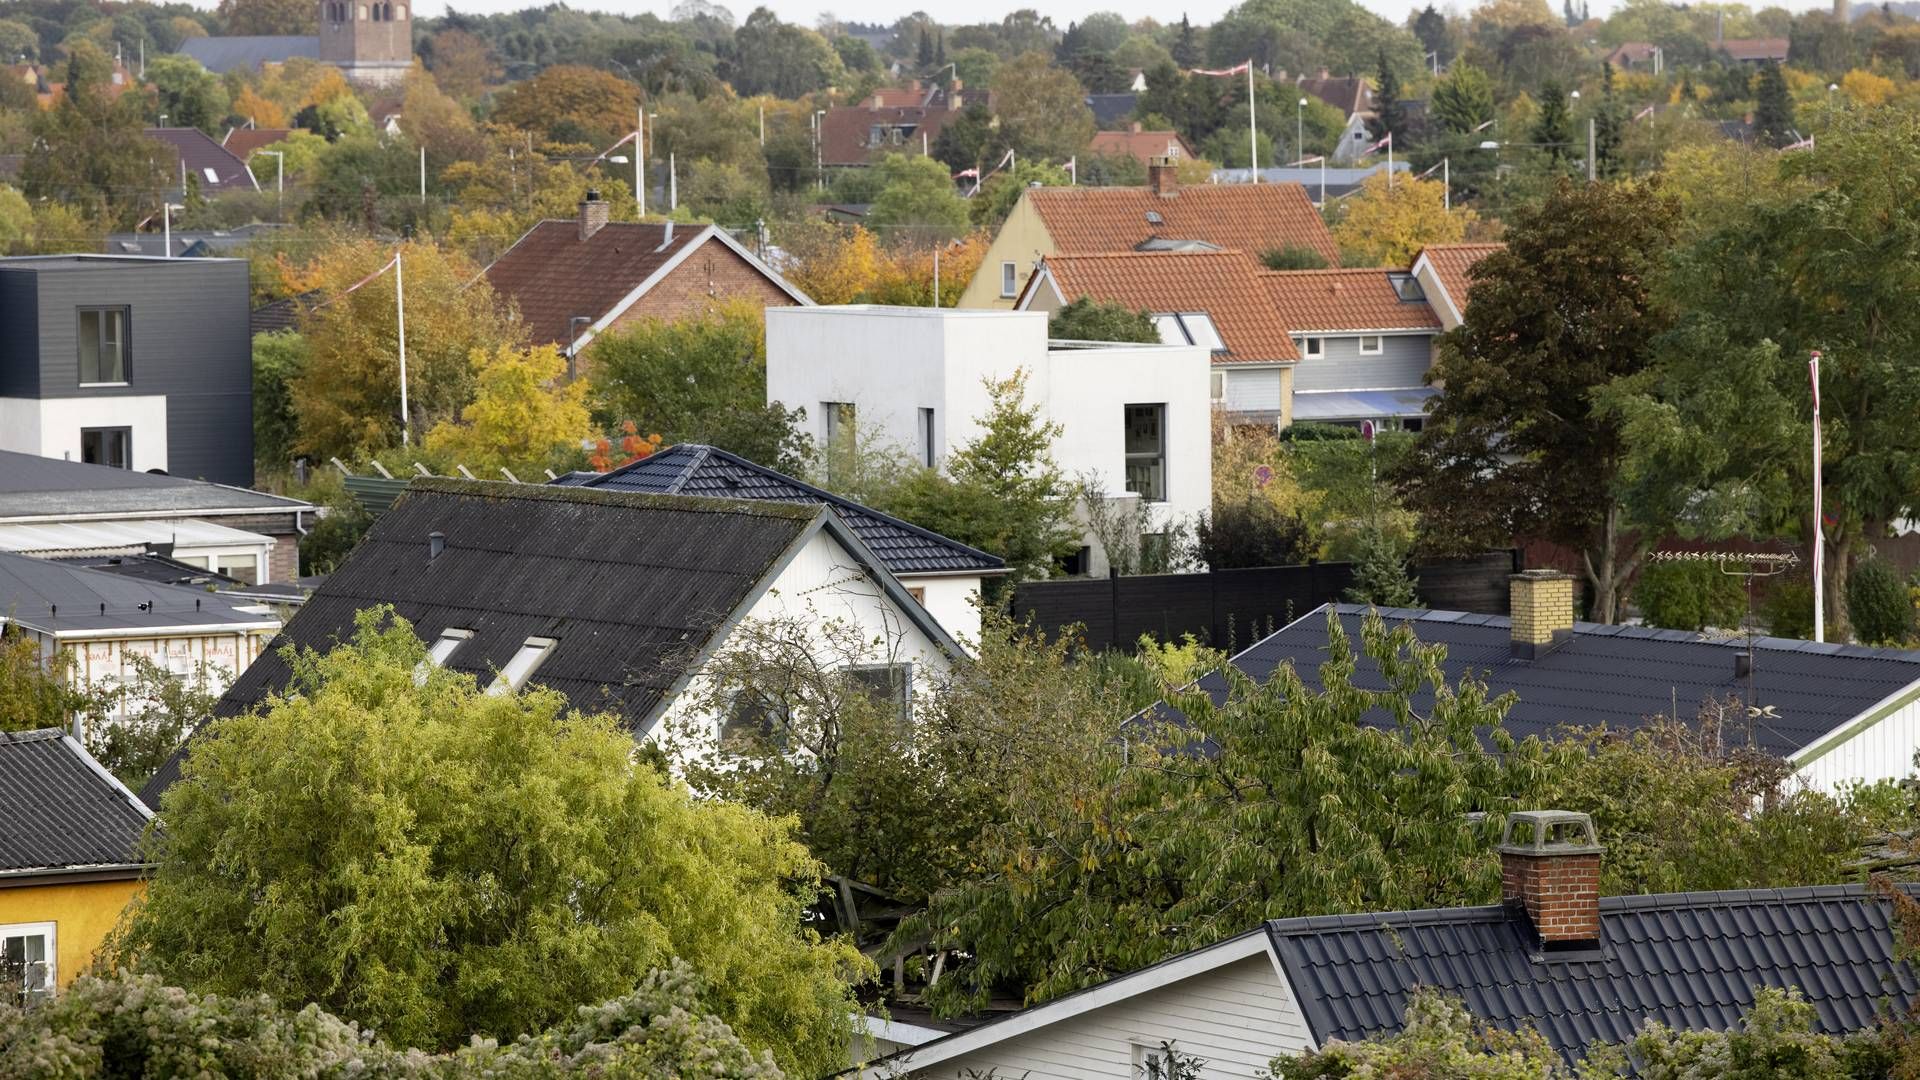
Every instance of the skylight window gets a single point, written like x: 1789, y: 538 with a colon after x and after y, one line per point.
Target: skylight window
x: 450, y: 639
x: 1189, y: 328
x: 1407, y: 287
x: 212, y: 176
x: 524, y: 663
x: 1154, y: 218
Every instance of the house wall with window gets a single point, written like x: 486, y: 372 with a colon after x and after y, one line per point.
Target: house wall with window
x: 75, y: 914
x: 141, y: 363
x: 1257, y: 390
x: 1363, y: 362
x: 1021, y: 242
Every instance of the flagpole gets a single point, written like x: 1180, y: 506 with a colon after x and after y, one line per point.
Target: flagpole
x: 400, y: 307
x: 1819, y: 520
x: 1389, y: 161
x: 1253, y: 132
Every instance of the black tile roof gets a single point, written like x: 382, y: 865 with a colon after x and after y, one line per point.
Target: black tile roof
x: 693, y: 469
x: 60, y: 810
x: 1688, y: 960
x: 1614, y: 675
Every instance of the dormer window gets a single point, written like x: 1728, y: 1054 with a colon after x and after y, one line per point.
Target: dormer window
x: 514, y: 676
x: 449, y: 642
x: 1189, y: 328
x: 1407, y: 288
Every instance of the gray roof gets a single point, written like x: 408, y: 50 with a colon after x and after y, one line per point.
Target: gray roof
x: 213, y: 167
x: 40, y: 487
x: 1614, y: 675
x: 59, y: 810
x: 56, y: 597
x: 693, y: 469
x: 197, y: 243
x: 1688, y: 960
x: 223, y: 54
x: 1111, y: 110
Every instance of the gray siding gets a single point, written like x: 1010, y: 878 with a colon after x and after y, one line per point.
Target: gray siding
x: 1252, y: 389
x: 188, y: 339
x: 19, y: 335
x: 1402, y: 363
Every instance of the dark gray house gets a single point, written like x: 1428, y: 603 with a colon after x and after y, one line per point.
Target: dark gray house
x: 138, y: 363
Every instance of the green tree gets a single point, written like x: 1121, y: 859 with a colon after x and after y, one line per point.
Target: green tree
x: 402, y: 849
x: 1380, y: 571
x: 1390, y: 113
x: 1086, y: 319
x: 1296, y: 807
x: 699, y: 379
x: 786, y: 61
x: 1042, y: 109
x: 1552, y: 130
x: 1252, y: 532
x: 91, y: 153
x: 1515, y: 446
x: 1186, y: 45
x: 35, y: 693
x: 1431, y: 28
x: 1690, y: 596
x: 1292, y: 257
x: 1879, y: 605
x: 917, y: 203
x: 267, y: 17
x: 187, y: 94
x: 279, y: 359
x: 973, y: 141
x: 1772, y: 106
x: 997, y: 197
x: 1440, y: 1038
x: 1463, y: 101
x: 1609, y: 128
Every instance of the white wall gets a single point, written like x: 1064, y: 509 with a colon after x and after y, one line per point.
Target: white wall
x: 953, y: 601
x: 1237, y: 1018
x: 1883, y: 751
x: 50, y: 427
x: 892, y: 361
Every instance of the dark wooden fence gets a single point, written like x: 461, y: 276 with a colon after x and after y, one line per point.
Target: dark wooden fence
x: 1231, y: 609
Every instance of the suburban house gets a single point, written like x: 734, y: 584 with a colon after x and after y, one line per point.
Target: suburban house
x: 203, y: 165
x: 572, y: 280
x: 615, y: 599
x: 1365, y: 339
x: 1442, y: 273
x: 1754, y: 50
x: 1202, y: 296
x: 370, y: 41
x: 186, y: 243
x: 1837, y: 713
x: 98, y: 621
x: 127, y: 361
x: 51, y: 508
x: 1553, y: 956
x: 1142, y: 146
x: 1112, y: 111
x: 70, y: 859
x: 1048, y: 221
x: 1351, y: 94
x: 1135, y: 419
x: 944, y: 576
x: 1636, y: 56
x: 242, y: 142
x: 898, y: 120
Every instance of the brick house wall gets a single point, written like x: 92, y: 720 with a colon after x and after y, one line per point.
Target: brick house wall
x: 710, y: 274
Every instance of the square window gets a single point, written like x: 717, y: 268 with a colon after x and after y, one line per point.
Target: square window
x: 111, y: 446
x: 27, y: 961
x: 1313, y: 348
x: 1370, y: 345
x: 886, y: 684
x: 1009, y: 279
x: 103, y: 346
x: 239, y: 567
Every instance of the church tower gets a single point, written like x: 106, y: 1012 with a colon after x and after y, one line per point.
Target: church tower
x: 370, y: 41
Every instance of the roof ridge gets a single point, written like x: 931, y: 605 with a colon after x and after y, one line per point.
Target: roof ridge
x: 1186, y: 252
x: 33, y: 735
x: 633, y: 500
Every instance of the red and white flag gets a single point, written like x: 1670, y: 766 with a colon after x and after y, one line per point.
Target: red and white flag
x: 1643, y: 113
x: 1238, y: 69
x: 1385, y: 140
x: 966, y: 174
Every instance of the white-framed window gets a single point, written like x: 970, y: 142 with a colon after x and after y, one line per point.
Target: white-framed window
x: 1217, y: 383
x: 1009, y: 279
x: 447, y: 644
x: 1146, y: 450
x: 1370, y: 345
x: 1313, y: 348
x: 239, y: 567
x: 1189, y: 328
x: 523, y: 665
x: 1149, y: 1060
x: 27, y: 956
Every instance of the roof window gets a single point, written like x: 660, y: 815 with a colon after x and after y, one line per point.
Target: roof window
x: 524, y: 663
x: 450, y: 639
x: 1407, y: 287
x: 1189, y: 328
x: 213, y: 176
x: 1154, y: 218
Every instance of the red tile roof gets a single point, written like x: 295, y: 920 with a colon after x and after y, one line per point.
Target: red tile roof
x: 1755, y: 48
x: 242, y: 142
x: 553, y: 276
x: 1450, y: 264
x: 1223, y: 284
x: 1632, y: 52
x: 1141, y: 144
x: 1253, y: 218
x: 1334, y: 300
x: 848, y: 131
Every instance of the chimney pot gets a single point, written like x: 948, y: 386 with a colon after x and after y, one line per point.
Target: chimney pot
x: 1550, y: 870
x: 593, y: 214
x: 436, y: 543
x: 1136, y: 127
x: 1162, y: 177
x: 1541, y: 603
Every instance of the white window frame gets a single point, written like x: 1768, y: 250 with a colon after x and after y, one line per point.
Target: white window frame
x: 1009, y: 280
x: 447, y: 644
x: 1313, y: 348
x: 1147, y: 1055
x: 525, y: 662
x: 1379, y: 344
x: 48, y: 930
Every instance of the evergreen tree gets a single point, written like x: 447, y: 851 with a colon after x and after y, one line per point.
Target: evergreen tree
x: 1567, y: 13
x: 925, y: 55
x: 1431, y: 28
x: 1390, y: 114
x: 1772, y: 108
x: 1686, y: 88
x: 1186, y: 51
x: 1553, y: 129
x: 940, y: 49
x: 1463, y: 100
x: 1609, y: 127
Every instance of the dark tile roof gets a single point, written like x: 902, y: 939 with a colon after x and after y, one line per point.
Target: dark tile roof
x: 1688, y: 960
x: 284, y: 313
x: 1614, y: 675
x: 150, y: 567
x: 1349, y: 94
x: 213, y: 166
x: 847, y: 131
x: 55, y: 597
x: 1111, y: 110
x: 59, y: 810
x: 692, y: 469
x: 223, y: 54
x: 32, y: 486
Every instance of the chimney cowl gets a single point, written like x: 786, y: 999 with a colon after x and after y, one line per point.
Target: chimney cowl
x: 1550, y: 872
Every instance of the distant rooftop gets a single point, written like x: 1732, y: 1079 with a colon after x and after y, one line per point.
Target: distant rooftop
x: 63, y: 811
x: 40, y: 487
x: 55, y: 598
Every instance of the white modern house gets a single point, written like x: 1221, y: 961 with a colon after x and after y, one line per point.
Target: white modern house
x: 1135, y: 417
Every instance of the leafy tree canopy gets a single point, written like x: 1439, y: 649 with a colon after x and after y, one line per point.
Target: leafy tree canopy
x: 1086, y: 319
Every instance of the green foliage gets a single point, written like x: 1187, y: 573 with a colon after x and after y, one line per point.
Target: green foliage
x: 1772, y: 106
x: 1440, y: 1040
x: 335, y: 532
x: 278, y: 360
x: 1042, y: 109
x: 1690, y: 596
x: 917, y: 201
x: 188, y: 94
x: 787, y: 61
x: 1380, y: 572
x: 400, y: 848
x: 1788, y: 612
x: 133, y: 1025
x: 152, y: 712
x: 1779, y: 1038
x: 1464, y: 99
x: 701, y: 379
x: 1878, y: 604
x: 1293, y: 257
x: 1087, y: 319
x: 997, y: 196
x: 34, y: 692
x: 91, y: 153
x: 1552, y: 130
x: 1253, y: 532
x: 1298, y: 808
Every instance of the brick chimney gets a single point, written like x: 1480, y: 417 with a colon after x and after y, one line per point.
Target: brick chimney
x: 593, y: 214
x: 1542, y: 607
x: 1161, y: 177
x: 1550, y: 869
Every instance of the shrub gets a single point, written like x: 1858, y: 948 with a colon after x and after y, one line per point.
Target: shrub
x: 1252, y: 532
x: 1878, y: 604
x: 1292, y: 257
x: 1091, y: 320
x: 1308, y: 431
x: 1690, y: 596
x: 1789, y: 609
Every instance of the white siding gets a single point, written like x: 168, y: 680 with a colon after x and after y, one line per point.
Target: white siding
x: 1883, y: 751
x: 954, y: 603
x: 1252, y: 389
x: 1237, y: 1018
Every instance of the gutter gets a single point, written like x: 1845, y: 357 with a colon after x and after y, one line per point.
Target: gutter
x: 63, y: 875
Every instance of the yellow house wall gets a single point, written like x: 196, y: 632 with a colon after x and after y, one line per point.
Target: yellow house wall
x: 82, y: 914
x: 1023, y: 240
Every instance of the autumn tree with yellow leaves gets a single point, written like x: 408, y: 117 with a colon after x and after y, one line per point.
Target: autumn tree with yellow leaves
x: 524, y: 415
x: 1392, y: 218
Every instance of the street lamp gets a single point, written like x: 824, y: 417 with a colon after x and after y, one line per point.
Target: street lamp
x: 819, y: 137
x: 1300, y: 128
x: 166, y: 225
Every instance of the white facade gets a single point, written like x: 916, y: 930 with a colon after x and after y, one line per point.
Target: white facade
x: 952, y: 599
x: 916, y: 378
x: 216, y: 547
x: 1879, y: 744
x: 1229, y: 1005
x: 50, y: 427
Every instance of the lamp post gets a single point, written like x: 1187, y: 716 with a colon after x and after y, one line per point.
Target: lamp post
x: 1300, y: 129
x: 819, y: 157
x: 279, y: 177
x: 166, y: 225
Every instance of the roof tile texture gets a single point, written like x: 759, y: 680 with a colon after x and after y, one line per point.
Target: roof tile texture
x: 1309, y: 300
x: 1451, y: 263
x: 1226, y: 285
x: 1140, y: 144
x: 1242, y: 217
x: 58, y: 811
x: 553, y: 276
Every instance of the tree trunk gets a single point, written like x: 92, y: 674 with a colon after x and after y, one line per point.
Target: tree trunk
x: 1839, y: 566
x: 1609, y: 571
